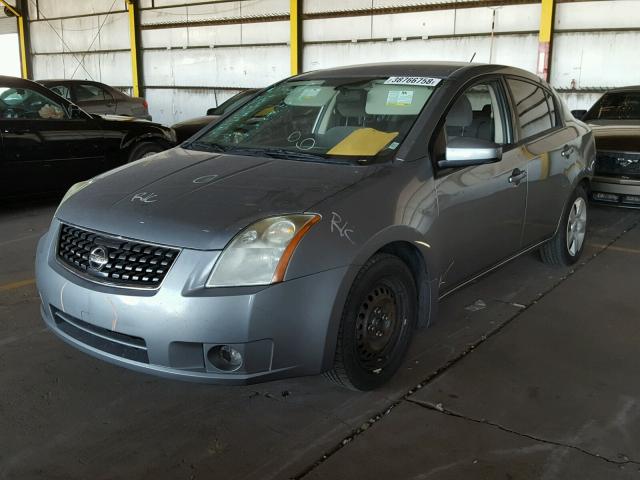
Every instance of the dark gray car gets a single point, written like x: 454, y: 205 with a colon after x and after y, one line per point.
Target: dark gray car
x: 315, y: 228
x: 98, y: 98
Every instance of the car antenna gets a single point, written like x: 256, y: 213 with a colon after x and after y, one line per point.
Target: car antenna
x: 472, y: 57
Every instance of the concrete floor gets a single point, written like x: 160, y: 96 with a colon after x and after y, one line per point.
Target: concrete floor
x: 530, y: 373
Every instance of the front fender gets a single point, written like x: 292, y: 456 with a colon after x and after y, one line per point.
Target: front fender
x: 394, y: 239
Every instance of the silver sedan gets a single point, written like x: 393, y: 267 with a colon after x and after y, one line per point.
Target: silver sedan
x: 314, y: 228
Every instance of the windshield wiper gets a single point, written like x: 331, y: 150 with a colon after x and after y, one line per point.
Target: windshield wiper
x: 206, y: 146
x: 286, y: 154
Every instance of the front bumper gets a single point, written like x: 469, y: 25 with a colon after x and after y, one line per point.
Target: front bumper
x: 616, y: 191
x: 281, y: 330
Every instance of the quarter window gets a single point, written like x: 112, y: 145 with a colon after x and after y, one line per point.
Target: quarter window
x: 552, y: 109
x: 534, y: 107
x: 91, y: 93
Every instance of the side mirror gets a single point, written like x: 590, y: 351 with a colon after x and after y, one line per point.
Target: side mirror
x: 466, y: 151
x: 211, y: 111
x: 578, y: 113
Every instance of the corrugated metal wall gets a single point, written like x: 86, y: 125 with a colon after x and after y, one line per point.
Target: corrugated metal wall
x: 196, y: 54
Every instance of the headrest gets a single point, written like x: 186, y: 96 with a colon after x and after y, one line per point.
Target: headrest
x: 350, y: 103
x: 461, y: 114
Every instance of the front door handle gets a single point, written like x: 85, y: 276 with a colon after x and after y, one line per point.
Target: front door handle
x: 517, y: 176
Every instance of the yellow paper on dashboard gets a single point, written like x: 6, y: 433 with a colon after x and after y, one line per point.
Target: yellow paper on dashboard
x: 365, y: 141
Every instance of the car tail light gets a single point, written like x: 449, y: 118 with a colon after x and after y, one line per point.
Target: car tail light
x: 145, y: 104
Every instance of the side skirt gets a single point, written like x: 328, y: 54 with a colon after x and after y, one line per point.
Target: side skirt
x: 491, y: 269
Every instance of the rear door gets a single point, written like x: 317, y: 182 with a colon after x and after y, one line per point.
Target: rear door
x: 94, y: 98
x: 481, y: 208
x: 44, y: 148
x: 549, y: 147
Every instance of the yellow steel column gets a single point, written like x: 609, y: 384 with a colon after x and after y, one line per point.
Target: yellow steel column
x: 22, y: 37
x: 295, y: 23
x: 133, y: 39
x: 545, y: 38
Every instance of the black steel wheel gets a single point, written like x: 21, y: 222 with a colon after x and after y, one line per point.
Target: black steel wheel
x: 377, y: 324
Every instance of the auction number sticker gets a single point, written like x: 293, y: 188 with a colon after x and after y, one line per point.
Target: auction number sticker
x: 418, y: 81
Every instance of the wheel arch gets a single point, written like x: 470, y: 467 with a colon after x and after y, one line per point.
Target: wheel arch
x: 407, y: 244
x: 132, y: 140
x: 583, y: 181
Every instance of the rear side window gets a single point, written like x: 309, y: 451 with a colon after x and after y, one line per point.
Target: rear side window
x: 534, y: 107
x: 88, y: 93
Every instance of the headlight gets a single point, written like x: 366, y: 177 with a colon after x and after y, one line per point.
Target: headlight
x: 260, y: 253
x: 75, y: 188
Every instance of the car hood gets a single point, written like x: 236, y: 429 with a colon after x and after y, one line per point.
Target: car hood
x: 196, y: 122
x: 124, y: 119
x: 622, y: 138
x: 200, y: 200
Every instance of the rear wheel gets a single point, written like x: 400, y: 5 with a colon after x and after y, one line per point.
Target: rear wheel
x: 377, y: 324
x: 567, y: 244
x: 143, y: 150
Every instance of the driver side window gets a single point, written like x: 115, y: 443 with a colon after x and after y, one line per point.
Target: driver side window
x: 477, y: 113
x: 27, y: 104
x: 477, y: 117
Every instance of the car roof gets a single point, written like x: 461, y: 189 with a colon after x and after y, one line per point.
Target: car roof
x: 62, y: 80
x: 629, y: 88
x: 433, y: 69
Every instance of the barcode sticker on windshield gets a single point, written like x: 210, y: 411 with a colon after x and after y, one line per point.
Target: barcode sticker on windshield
x: 418, y: 81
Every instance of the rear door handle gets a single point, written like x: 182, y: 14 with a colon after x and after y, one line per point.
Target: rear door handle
x: 567, y: 151
x: 517, y: 176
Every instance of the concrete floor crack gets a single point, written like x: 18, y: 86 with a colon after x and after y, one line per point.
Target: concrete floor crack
x: 453, y: 361
x: 444, y: 411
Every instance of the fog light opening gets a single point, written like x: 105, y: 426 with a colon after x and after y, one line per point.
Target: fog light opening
x: 225, y: 357
x: 606, y: 197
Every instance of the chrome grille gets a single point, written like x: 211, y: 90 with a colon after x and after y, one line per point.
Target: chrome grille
x: 619, y: 164
x: 112, y: 260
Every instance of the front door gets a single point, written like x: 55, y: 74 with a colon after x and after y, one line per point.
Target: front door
x: 481, y: 208
x: 44, y: 148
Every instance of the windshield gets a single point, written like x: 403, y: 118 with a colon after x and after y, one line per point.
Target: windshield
x: 336, y: 119
x: 233, y: 102
x: 616, y: 106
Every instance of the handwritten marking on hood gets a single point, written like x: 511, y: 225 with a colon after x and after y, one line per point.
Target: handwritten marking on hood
x: 145, y: 197
x: 341, y: 227
x: 205, y: 179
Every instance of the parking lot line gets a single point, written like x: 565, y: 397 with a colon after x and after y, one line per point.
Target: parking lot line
x: 18, y: 284
x: 615, y: 248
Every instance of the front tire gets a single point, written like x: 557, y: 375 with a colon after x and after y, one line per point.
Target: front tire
x: 377, y: 324
x: 144, y: 149
x: 567, y: 244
